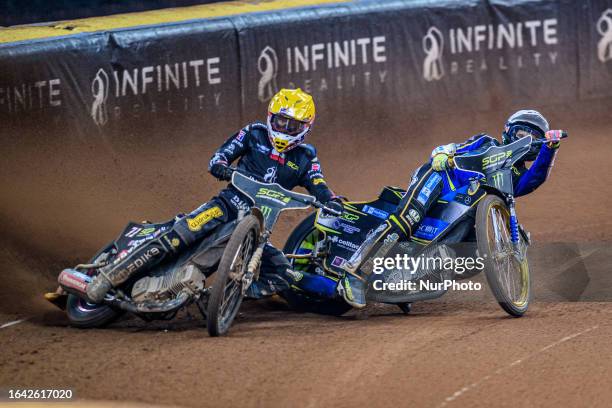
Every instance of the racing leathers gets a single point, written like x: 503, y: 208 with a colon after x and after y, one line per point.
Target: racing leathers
x: 426, y: 186
x: 256, y: 157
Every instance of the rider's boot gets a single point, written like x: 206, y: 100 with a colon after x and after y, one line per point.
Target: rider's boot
x: 353, y: 290
x: 353, y: 286
x: 122, y: 269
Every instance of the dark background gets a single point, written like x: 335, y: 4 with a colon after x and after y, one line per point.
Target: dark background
x: 16, y: 12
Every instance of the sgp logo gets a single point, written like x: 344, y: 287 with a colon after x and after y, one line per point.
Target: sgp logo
x: 604, y: 28
x: 433, y: 46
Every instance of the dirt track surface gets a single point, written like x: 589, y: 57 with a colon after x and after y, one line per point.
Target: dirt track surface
x: 448, y: 353
x: 464, y: 355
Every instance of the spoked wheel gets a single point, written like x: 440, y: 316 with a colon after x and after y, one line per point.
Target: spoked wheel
x: 507, y: 271
x: 226, y: 292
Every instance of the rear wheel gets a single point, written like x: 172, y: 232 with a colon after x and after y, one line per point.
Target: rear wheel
x: 85, y: 315
x: 506, y: 271
x: 226, y: 292
x: 303, y: 241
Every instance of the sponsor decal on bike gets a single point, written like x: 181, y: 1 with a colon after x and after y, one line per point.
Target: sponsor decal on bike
x: 196, y: 223
x: 338, y: 261
x: 430, y: 228
x: 293, y: 165
x: 136, y: 264
x: 318, y: 181
x: 273, y: 195
x: 347, y: 228
x: 497, y: 180
x: 265, y: 211
x: 342, y: 243
x: 331, y: 61
x: 74, y: 280
x: 375, y: 212
x: 467, y: 50
x: 490, y: 161
x: 144, y: 233
x: 349, y: 217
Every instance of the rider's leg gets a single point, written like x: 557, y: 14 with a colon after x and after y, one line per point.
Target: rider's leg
x: 424, y: 190
x: 276, y: 275
x: 185, y: 232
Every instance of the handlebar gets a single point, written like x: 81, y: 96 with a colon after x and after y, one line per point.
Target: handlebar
x: 315, y: 204
x: 540, y: 142
x: 326, y: 209
x: 564, y: 135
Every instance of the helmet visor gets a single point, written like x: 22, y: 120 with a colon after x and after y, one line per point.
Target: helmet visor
x: 287, y: 125
x: 520, y: 131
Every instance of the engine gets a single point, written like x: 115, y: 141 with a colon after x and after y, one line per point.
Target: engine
x: 162, y: 288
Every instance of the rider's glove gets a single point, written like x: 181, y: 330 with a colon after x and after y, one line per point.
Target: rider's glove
x: 439, y: 162
x: 440, y: 156
x: 554, y: 138
x: 334, y: 204
x: 221, y: 171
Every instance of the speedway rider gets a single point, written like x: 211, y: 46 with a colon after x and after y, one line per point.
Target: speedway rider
x: 275, y: 153
x: 437, y: 177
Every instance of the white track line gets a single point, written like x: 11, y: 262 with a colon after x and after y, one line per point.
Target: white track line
x: 9, y: 324
x: 467, y: 388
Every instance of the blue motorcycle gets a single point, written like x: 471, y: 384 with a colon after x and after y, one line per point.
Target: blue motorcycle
x: 481, y: 213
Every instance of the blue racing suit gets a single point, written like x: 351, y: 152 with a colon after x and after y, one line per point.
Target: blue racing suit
x: 427, y: 185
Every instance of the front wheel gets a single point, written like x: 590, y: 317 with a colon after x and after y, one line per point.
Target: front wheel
x: 506, y: 270
x: 226, y: 292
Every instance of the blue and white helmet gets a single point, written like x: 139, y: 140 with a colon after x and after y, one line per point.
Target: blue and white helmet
x: 526, y: 122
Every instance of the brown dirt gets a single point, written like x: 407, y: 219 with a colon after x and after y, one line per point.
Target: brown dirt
x: 450, y: 352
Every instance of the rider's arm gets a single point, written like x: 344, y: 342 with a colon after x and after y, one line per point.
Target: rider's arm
x: 441, y: 154
x: 537, y: 174
x: 233, y: 148
x: 313, y: 179
x: 474, y: 143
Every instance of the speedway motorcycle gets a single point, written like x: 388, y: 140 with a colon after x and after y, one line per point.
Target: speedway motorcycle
x: 230, y: 258
x: 482, y: 213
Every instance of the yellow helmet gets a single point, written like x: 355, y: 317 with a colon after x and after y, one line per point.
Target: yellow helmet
x: 291, y: 114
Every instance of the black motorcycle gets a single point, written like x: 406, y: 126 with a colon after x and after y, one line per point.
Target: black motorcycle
x: 479, y: 217
x: 230, y: 258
